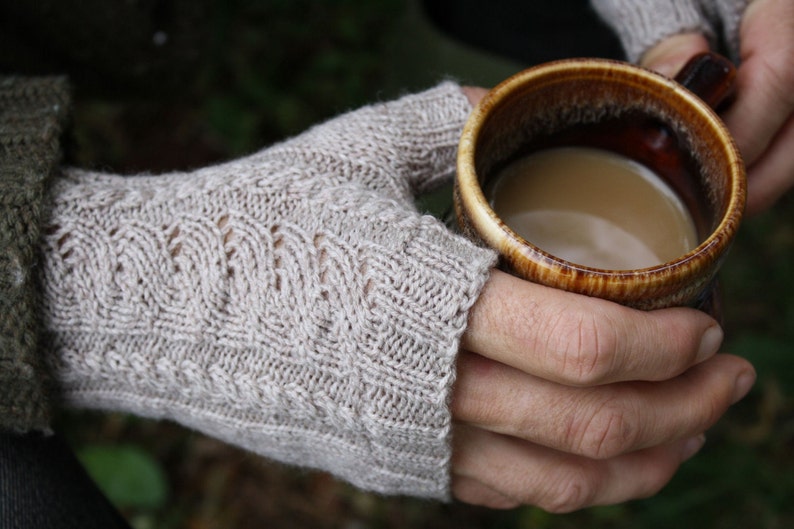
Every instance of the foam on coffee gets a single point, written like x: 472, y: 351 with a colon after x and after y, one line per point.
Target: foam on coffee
x: 594, y: 208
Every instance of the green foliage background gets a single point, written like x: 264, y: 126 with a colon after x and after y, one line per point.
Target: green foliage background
x: 280, y: 66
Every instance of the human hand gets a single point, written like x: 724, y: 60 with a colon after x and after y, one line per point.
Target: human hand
x: 761, y: 118
x: 564, y: 401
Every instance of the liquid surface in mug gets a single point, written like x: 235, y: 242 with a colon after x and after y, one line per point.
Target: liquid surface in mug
x: 593, y: 208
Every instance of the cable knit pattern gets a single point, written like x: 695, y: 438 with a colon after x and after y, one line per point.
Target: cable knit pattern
x: 292, y: 302
x: 642, y: 24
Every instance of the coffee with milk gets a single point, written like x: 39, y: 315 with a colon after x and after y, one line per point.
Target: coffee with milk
x: 593, y: 208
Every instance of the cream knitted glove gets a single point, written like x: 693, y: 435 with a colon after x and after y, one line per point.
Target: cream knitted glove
x: 640, y: 24
x: 292, y: 302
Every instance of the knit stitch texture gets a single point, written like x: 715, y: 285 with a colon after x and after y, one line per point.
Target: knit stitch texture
x: 641, y: 25
x: 32, y: 115
x: 292, y: 302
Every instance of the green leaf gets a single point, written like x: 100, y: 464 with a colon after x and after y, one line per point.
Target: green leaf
x: 129, y: 477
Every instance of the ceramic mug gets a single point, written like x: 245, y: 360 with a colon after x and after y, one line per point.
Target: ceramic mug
x: 667, y: 125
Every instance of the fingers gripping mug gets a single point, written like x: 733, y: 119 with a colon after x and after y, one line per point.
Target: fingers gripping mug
x: 605, y: 179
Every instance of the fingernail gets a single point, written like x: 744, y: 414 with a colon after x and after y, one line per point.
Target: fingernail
x: 710, y: 342
x: 742, y: 386
x: 692, y: 446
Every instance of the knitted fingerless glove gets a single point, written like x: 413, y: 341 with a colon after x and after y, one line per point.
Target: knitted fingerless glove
x: 292, y: 302
x: 642, y: 24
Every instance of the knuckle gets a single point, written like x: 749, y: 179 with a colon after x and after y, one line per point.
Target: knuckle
x: 575, y: 488
x: 583, y: 349
x: 608, y: 432
x: 777, y: 71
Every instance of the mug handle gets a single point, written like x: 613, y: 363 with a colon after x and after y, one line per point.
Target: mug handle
x: 709, y: 76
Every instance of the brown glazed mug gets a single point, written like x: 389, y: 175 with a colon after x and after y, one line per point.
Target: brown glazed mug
x: 667, y: 125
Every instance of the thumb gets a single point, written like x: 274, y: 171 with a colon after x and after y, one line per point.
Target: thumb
x: 669, y: 56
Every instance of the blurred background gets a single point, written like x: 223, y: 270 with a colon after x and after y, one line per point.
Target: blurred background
x: 260, y: 71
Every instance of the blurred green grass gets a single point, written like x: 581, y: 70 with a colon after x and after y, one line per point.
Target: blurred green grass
x: 284, y: 65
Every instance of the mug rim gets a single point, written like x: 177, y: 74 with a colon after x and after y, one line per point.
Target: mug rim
x: 498, y: 235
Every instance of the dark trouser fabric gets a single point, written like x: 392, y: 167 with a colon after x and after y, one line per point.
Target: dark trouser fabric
x: 527, y: 31
x: 43, y: 486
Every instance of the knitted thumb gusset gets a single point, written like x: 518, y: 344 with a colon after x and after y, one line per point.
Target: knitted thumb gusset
x: 292, y: 302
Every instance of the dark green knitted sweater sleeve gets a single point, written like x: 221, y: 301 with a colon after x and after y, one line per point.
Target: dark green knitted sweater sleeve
x: 33, y: 112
